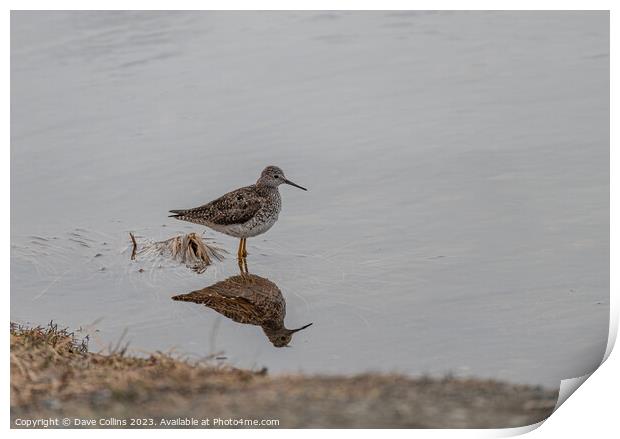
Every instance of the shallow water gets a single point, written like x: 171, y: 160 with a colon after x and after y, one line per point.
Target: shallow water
x: 458, y: 166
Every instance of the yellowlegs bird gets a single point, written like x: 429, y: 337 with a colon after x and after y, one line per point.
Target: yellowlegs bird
x: 244, y: 212
x: 248, y: 299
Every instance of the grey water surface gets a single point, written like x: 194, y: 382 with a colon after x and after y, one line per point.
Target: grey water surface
x: 457, y: 218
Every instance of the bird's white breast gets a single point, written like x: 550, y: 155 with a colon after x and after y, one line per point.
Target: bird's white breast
x: 248, y: 229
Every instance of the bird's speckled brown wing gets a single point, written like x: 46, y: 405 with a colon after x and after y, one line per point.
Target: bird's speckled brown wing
x: 235, y: 207
x: 244, y: 299
x: 237, y: 309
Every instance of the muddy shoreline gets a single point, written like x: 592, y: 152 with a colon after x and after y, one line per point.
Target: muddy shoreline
x: 54, y: 376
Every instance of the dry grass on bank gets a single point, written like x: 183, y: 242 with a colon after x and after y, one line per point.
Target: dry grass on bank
x: 53, y: 374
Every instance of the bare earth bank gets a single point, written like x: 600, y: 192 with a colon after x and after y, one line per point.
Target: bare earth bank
x: 54, y: 376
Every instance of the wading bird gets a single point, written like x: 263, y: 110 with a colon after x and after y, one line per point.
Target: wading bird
x: 248, y: 299
x: 244, y: 212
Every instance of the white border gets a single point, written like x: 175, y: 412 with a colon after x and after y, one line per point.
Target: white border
x: 314, y: 5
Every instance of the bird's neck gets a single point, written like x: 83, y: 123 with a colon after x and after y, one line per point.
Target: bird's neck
x: 267, y: 191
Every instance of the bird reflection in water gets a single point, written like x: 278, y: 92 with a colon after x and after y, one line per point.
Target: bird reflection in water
x: 249, y: 299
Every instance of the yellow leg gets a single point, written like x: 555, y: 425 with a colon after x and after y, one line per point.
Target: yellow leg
x: 241, y: 254
x: 240, y: 250
x: 243, y: 265
x: 244, y: 252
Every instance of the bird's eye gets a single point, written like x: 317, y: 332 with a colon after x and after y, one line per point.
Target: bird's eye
x: 276, y: 176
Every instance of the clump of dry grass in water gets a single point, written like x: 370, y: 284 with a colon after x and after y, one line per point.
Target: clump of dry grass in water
x: 190, y: 249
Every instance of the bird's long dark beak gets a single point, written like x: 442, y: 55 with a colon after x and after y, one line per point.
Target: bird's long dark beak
x: 299, y: 329
x: 293, y: 184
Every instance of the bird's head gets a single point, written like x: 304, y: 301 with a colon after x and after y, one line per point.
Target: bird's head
x: 272, y: 176
x: 282, y: 337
